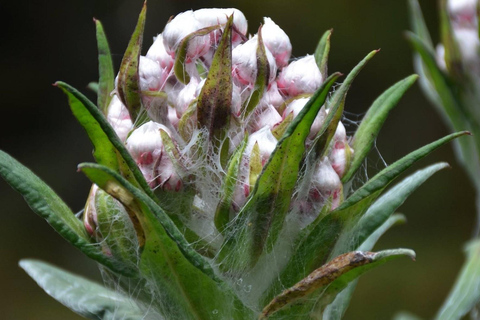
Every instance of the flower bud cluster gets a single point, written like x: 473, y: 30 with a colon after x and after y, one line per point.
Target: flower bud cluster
x: 288, y: 87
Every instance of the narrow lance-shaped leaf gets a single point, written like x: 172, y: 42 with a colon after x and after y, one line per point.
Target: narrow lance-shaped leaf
x: 453, y: 59
x: 215, y: 99
x: 106, y: 73
x: 181, y: 275
x: 335, y: 107
x: 335, y: 300
x: 261, y: 219
x: 181, y: 53
x: 318, y: 240
x: 465, y: 293
x: 104, y: 138
x: 82, y: 296
x: 263, y: 74
x: 348, y: 266
x: 322, y: 51
x: 372, y: 122
x: 48, y: 205
x: 128, y: 88
x: 418, y: 23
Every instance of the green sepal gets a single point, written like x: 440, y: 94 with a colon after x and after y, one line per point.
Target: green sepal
x: 181, y: 53
x: 85, y: 297
x: 223, y: 211
x: 342, y: 270
x: 187, y: 122
x: 128, y: 88
x: 322, y: 51
x: 372, y: 122
x: 181, y: 275
x: 280, y: 129
x: 48, y: 205
x: 106, y: 74
x: 465, y: 294
x: 261, y: 219
x: 93, y: 86
x: 261, y: 80
x: 215, y: 98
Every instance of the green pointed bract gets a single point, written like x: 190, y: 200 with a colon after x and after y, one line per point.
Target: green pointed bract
x: 87, y: 298
x: 452, y: 58
x: 223, y: 212
x: 106, y: 75
x: 344, y: 268
x: 261, y: 219
x: 322, y: 51
x: 372, y: 122
x: 215, y: 99
x: 182, y: 276
x: 263, y: 74
x: 181, y: 54
x: 48, y: 205
x: 128, y: 87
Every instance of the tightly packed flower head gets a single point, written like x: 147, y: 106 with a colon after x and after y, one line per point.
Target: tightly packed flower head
x: 267, y: 90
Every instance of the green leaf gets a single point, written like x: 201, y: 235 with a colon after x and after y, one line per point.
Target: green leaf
x: 127, y: 84
x: 93, y: 86
x: 318, y: 240
x: 336, y: 298
x: 465, y: 293
x: 106, y: 73
x: 180, y: 275
x: 261, y: 219
x: 181, y: 53
x: 109, y: 149
x: 215, y: 99
x: 342, y: 270
x: 46, y: 203
x: 322, y: 51
x: 453, y: 57
x: 335, y: 107
x: 82, y: 296
x: 371, y: 124
x: 263, y: 74
x: 418, y: 24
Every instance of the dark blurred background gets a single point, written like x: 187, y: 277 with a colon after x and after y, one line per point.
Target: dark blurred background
x: 45, y: 41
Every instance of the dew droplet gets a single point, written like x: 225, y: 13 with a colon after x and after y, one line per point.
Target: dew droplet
x: 215, y: 311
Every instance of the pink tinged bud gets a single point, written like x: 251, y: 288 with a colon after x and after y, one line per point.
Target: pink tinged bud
x: 178, y: 28
x: 266, y: 142
x: 151, y: 75
x: 237, y: 101
x: 244, y: 63
x: 277, y: 41
x: 297, y: 105
x: 146, y: 147
x: 173, y: 117
x: 119, y: 118
x: 272, y: 96
x: 158, y: 53
x: 299, y: 77
x: 469, y: 45
x: 214, y: 16
x: 267, y: 116
x: 463, y: 13
x: 186, y: 96
x: 326, y: 184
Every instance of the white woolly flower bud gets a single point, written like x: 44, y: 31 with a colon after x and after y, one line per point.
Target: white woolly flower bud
x: 469, y: 44
x: 463, y: 12
x: 299, y: 77
x: 440, y: 57
x: 215, y: 16
x: 186, y: 96
x: 266, y: 116
x: 151, y: 75
x: 266, y: 142
x: 178, y: 28
x: 146, y: 147
x: 119, y: 118
x: 272, y: 96
x: 326, y: 184
x: 297, y: 105
x: 158, y: 53
x: 244, y: 63
x: 277, y: 41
